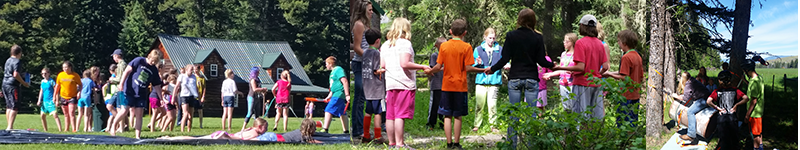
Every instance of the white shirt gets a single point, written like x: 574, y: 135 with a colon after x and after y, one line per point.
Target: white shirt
x: 398, y: 78
x: 188, y: 85
x: 228, y: 87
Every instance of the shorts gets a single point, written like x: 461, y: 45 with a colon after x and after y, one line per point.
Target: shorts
x: 373, y: 107
x: 170, y: 107
x: 283, y: 105
x: 136, y: 102
x: 84, y: 102
x: 755, y: 126
x: 189, y: 100
x: 271, y: 137
x: 155, y: 102
x: 227, y: 101
x: 112, y: 101
x: 453, y: 104
x: 543, y: 98
x: 47, y: 109
x: 336, y: 106
x: 400, y: 104
x: 65, y: 102
x: 122, y: 100
x: 12, y: 97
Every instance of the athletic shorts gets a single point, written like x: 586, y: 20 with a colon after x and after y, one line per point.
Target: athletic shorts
x: 271, y: 137
x: 84, y: 102
x: 12, y: 97
x: 137, y: 102
x: 65, y: 102
x: 112, y: 101
x: 227, y: 101
x: 47, y: 109
x: 282, y: 105
x: 400, y: 104
x: 373, y: 107
x: 755, y: 126
x: 122, y: 100
x: 154, y: 102
x: 171, y: 107
x: 453, y: 104
x: 336, y: 106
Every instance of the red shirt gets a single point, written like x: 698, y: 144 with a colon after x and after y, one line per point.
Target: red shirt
x: 589, y: 51
x: 631, y: 66
x: 282, y: 95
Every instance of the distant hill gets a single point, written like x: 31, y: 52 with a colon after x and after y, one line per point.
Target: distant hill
x: 782, y: 59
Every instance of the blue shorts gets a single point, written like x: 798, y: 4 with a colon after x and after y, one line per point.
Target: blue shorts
x: 373, y: 107
x: 121, y: 99
x: 227, y: 101
x: 84, y: 102
x: 47, y: 108
x: 336, y: 106
x: 268, y: 136
x: 453, y: 104
x: 137, y: 102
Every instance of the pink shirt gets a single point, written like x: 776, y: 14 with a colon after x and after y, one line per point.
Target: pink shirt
x: 590, y: 51
x: 566, y: 61
x: 542, y: 81
x: 282, y: 95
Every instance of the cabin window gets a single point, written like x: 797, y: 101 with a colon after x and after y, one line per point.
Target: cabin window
x: 213, y: 70
x: 278, y: 74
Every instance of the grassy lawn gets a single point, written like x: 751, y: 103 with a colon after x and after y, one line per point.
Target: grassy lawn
x: 780, y: 110
x: 210, y: 124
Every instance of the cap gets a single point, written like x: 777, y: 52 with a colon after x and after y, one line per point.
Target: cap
x: 588, y: 20
x: 748, y: 65
x: 117, y: 52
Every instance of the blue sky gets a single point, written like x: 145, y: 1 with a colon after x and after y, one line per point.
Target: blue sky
x: 774, y: 27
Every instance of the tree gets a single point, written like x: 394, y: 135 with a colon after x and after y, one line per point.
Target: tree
x: 138, y: 31
x: 657, y: 48
x: 741, y: 26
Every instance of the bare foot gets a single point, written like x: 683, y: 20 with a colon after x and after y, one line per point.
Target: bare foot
x: 474, y: 129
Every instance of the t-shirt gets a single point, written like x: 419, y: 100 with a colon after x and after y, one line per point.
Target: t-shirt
x: 631, y: 66
x: 144, y: 75
x: 756, y: 91
x: 398, y: 78
x: 566, y: 61
x: 229, y: 87
x: 335, y: 81
x: 374, y: 87
x: 590, y: 51
x: 47, y: 90
x: 12, y: 65
x: 283, y: 91
x: 542, y: 71
x: 694, y: 90
x: 436, y: 79
x: 201, y: 83
x: 188, y: 85
x: 120, y: 69
x: 293, y: 136
x: 69, y: 83
x: 86, y: 89
x: 726, y: 97
x: 456, y: 55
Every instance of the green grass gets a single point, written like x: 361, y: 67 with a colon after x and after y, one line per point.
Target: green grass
x: 780, y: 109
x: 210, y: 124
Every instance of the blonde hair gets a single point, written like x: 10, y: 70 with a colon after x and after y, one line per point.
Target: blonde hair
x: 359, y: 13
x: 684, y: 79
x: 600, y: 33
x: 155, y: 54
x: 285, y: 76
x: 488, y: 31
x: 401, y: 29
x: 229, y: 73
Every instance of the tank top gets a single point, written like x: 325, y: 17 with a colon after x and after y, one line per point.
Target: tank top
x: 258, y: 84
x: 364, y: 45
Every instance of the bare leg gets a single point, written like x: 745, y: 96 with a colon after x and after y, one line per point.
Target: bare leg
x: 447, y: 128
x: 230, y: 115
x: 89, y: 119
x: 137, y: 112
x: 200, y: 113
x: 65, y: 110
x: 327, y: 121
x: 390, y: 131
x: 153, y: 118
x: 118, y: 119
x: 186, y: 115
x: 224, y: 115
x: 44, y: 121
x: 344, y: 122
x: 277, y: 118
x: 457, y: 129
x: 398, y: 131
x: 58, y: 121
x: 73, y: 120
x: 285, y: 118
x: 110, y: 118
x: 80, y: 116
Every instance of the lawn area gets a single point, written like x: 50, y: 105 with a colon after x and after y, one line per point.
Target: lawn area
x: 780, y: 110
x: 210, y: 124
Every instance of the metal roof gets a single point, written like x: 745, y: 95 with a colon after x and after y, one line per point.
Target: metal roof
x: 269, y: 59
x: 203, y: 54
x: 239, y: 55
x: 302, y: 88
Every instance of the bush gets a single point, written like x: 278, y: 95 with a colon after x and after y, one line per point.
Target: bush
x: 559, y: 128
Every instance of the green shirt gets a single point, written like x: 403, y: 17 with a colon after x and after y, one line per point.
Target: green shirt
x: 756, y: 91
x: 120, y: 69
x: 335, y: 81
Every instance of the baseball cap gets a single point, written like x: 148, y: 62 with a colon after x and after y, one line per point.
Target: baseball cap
x: 117, y: 52
x: 588, y: 20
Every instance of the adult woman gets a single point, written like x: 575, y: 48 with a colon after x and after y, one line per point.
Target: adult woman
x: 360, y: 21
x: 67, y: 84
x: 487, y: 85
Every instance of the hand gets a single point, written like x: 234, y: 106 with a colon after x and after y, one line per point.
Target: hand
x: 119, y: 88
x: 507, y: 67
x: 39, y: 103
x: 26, y: 84
x: 733, y: 110
x: 488, y: 71
x: 674, y: 95
x: 347, y: 97
x: 479, y: 61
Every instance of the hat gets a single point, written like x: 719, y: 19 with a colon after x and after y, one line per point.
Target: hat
x: 588, y: 20
x: 117, y: 52
x: 748, y: 65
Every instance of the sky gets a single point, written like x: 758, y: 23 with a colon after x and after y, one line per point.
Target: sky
x: 774, y: 27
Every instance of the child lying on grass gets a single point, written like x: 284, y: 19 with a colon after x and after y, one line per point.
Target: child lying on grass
x: 258, y: 133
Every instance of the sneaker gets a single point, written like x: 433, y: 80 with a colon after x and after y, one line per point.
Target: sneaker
x: 686, y: 137
x: 346, y: 132
x: 324, y: 131
x: 449, y: 146
x: 457, y: 146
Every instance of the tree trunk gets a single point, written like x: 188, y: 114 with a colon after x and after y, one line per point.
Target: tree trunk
x: 548, y: 30
x: 741, y: 25
x: 669, y: 53
x: 654, y: 104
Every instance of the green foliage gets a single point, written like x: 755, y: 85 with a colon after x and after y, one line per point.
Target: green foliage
x: 560, y: 128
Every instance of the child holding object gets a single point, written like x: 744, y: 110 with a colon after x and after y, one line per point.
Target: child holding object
x: 374, y: 87
x: 339, y: 90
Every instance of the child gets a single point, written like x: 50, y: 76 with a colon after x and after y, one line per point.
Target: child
x: 201, y: 90
x: 728, y: 98
x: 229, y: 92
x: 630, y: 66
x: 435, y: 83
x: 488, y: 53
x: 281, y: 90
x: 108, y: 94
x: 12, y: 78
x: 542, y: 95
x: 589, y: 57
x: 693, y: 90
x: 187, y: 82
x: 84, y: 100
x: 455, y: 54
x: 339, y: 89
x: 170, y: 102
x: 374, y: 88
x: 156, y: 111
x: 67, y: 84
x: 255, y: 88
x: 309, y: 109
x: 46, y: 99
x: 140, y: 73
x: 755, y: 108
x: 565, y: 79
